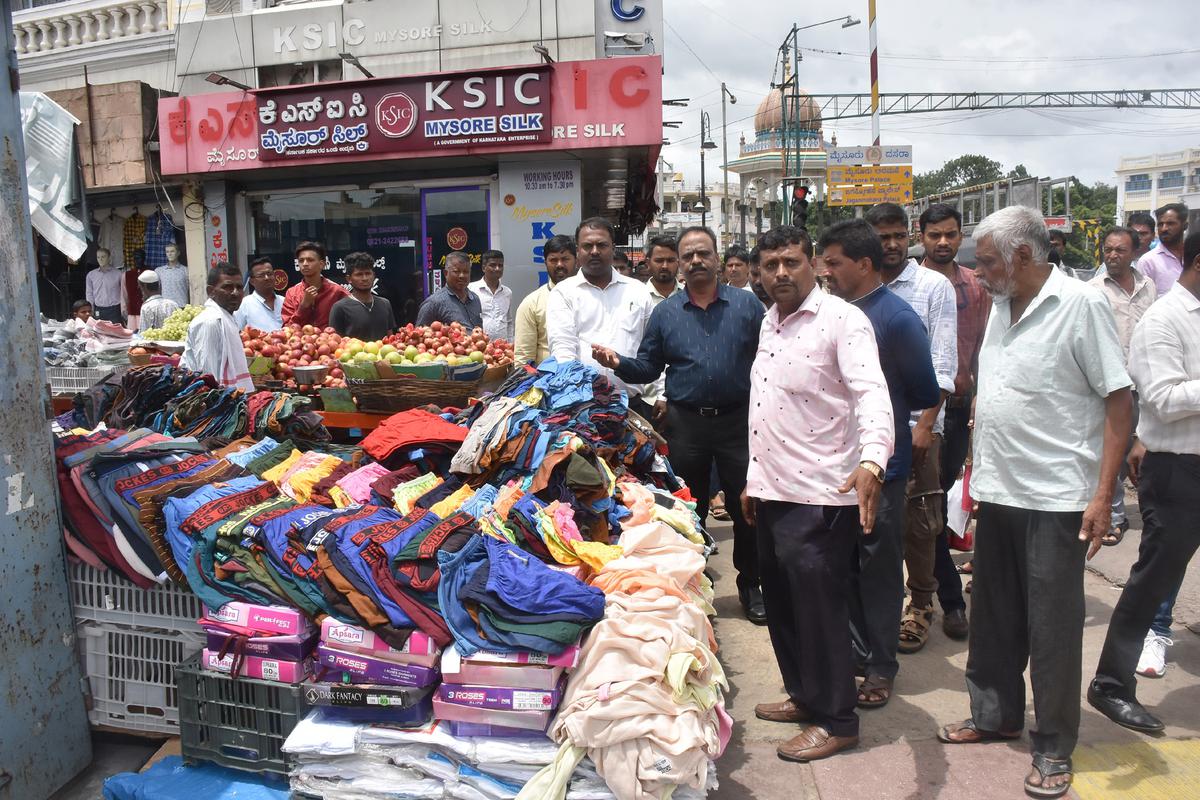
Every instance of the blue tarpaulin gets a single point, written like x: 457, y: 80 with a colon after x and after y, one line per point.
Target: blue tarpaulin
x: 169, y: 779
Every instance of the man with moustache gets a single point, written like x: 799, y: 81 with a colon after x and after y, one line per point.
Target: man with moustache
x: 1164, y: 263
x: 530, y: 343
x: 941, y: 236
x: 932, y: 297
x: 214, y: 342
x: 598, y: 306
x: 662, y: 254
x: 1144, y: 226
x: 705, y: 337
x: 854, y: 258
x: 821, y: 431
x: 1052, y: 421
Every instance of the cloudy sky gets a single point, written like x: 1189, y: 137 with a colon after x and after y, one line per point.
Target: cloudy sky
x: 945, y: 45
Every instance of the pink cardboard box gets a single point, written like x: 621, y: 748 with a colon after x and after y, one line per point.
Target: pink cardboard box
x: 456, y: 669
x: 419, y: 649
x: 261, y: 619
x: 267, y: 669
x: 525, y: 720
x: 568, y: 658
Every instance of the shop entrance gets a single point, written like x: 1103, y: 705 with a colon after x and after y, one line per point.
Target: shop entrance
x: 454, y: 218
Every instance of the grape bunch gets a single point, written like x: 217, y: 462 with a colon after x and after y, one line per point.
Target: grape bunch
x: 174, y: 327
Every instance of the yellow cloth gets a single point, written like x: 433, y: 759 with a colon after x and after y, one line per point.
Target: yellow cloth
x: 532, y: 398
x: 276, y: 473
x: 449, y: 506
x: 340, y: 498
x: 300, y: 486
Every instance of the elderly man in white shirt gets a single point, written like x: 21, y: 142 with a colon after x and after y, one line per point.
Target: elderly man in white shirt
x: 1164, y: 360
x: 495, y: 299
x: 598, y: 305
x: 1052, y: 419
x: 932, y: 296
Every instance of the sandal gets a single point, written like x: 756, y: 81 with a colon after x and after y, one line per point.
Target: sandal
x: 1115, y: 534
x: 1047, y: 767
x: 914, y: 628
x: 874, y: 692
x: 966, y: 568
x: 717, y: 510
x: 948, y: 734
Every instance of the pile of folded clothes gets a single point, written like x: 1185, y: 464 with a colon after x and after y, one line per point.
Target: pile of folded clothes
x: 470, y: 574
x: 177, y: 402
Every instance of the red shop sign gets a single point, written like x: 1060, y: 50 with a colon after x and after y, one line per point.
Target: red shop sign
x: 612, y: 102
x: 424, y: 112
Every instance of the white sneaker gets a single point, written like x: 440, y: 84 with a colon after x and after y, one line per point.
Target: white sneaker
x: 1153, y: 663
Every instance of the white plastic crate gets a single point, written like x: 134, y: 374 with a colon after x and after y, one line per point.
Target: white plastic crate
x: 131, y: 675
x: 69, y: 380
x: 107, y: 597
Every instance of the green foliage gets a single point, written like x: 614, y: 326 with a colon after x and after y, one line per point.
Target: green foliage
x: 1093, y: 209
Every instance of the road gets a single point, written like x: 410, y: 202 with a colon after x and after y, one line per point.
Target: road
x: 899, y: 757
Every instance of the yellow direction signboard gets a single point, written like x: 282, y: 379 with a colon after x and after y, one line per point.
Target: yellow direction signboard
x: 869, y: 195
x: 858, y: 176
x: 867, y: 185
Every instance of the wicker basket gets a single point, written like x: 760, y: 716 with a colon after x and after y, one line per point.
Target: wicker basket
x: 402, y: 394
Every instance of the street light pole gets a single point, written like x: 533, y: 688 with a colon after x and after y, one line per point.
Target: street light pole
x: 706, y: 143
x: 724, y: 218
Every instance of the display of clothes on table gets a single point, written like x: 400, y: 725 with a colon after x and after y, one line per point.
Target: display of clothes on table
x: 535, y: 519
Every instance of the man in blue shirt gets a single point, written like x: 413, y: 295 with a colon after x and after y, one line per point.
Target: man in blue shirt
x: 706, y: 339
x: 854, y: 255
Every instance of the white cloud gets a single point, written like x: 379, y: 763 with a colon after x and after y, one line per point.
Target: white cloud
x: 980, y: 45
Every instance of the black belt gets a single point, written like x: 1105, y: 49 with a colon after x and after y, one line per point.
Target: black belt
x: 710, y: 411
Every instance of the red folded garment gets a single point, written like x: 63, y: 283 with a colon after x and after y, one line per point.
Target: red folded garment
x: 411, y: 428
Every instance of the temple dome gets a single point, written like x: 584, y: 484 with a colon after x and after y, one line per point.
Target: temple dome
x: 769, y: 116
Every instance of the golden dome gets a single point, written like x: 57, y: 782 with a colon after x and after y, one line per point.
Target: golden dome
x: 769, y: 116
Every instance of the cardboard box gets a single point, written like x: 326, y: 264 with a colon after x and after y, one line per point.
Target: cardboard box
x: 282, y: 648
x: 525, y: 720
x: 261, y: 619
x: 267, y: 669
x: 419, y: 649
x: 359, y: 668
x: 456, y: 669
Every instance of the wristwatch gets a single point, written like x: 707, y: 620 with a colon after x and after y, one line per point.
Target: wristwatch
x: 873, y: 468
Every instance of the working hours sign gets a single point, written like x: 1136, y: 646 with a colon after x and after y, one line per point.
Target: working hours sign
x: 409, y: 114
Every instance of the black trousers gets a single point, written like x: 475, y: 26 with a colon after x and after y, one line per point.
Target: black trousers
x: 805, y: 554
x: 1027, y: 608
x: 1167, y: 495
x: 877, y: 585
x: 694, y: 443
x: 108, y: 313
x: 954, y: 454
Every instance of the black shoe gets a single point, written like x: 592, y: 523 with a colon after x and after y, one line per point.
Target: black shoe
x: 954, y: 624
x: 1126, y: 713
x: 752, y: 605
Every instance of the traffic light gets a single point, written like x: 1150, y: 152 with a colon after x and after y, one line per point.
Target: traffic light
x: 799, y: 205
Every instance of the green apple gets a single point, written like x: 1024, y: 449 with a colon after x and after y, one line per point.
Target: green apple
x: 393, y: 357
x: 411, y: 352
x: 476, y: 356
x: 386, y: 349
x: 372, y: 347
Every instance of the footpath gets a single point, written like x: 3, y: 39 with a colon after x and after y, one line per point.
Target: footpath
x: 899, y: 756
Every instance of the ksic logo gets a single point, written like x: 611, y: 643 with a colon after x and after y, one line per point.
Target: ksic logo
x: 396, y: 115
x: 620, y: 13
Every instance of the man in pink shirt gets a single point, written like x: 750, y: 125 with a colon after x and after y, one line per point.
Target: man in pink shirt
x: 1164, y: 264
x: 821, y: 433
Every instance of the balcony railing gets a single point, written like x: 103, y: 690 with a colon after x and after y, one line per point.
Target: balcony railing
x: 64, y: 25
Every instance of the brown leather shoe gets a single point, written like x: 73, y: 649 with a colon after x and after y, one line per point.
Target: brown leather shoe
x: 787, y: 711
x: 813, y: 744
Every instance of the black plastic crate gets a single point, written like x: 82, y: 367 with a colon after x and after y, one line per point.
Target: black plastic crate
x: 235, y: 722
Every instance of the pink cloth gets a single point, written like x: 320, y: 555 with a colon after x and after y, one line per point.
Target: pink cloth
x: 819, y: 403
x: 640, y: 502
x: 357, y: 485
x: 564, y: 522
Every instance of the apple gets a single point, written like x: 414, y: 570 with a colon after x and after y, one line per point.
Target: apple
x: 393, y: 357
x: 386, y: 349
x: 372, y: 347
x: 475, y: 356
x: 410, y: 352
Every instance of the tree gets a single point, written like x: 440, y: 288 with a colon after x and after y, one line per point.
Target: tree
x: 1092, y: 210
x: 958, y: 173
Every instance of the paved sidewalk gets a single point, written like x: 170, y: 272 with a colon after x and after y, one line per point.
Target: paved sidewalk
x: 899, y: 756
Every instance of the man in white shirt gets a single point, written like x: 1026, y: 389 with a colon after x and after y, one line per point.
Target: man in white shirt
x: 262, y: 309
x: 155, y: 307
x: 932, y: 296
x: 1052, y: 418
x: 494, y: 297
x: 1129, y: 293
x: 1164, y: 360
x: 214, y: 344
x: 598, y: 305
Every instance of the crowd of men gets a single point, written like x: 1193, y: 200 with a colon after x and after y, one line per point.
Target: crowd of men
x: 835, y: 411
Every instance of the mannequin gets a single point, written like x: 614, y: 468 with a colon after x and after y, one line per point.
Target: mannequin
x: 102, y: 288
x: 173, y: 277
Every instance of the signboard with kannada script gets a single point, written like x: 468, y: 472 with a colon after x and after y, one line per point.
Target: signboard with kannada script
x: 857, y: 176
x: 869, y: 154
x: 869, y: 195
